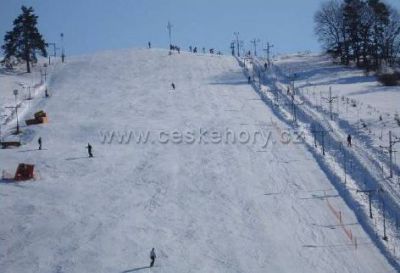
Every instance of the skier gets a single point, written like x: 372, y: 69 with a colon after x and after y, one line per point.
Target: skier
x: 173, y: 86
x: 195, y: 49
x: 349, y: 140
x: 40, y: 143
x: 265, y: 66
x: 46, y: 93
x: 89, y: 148
x: 152, y: 257
x: 149, y: 44
x: 248, y: 79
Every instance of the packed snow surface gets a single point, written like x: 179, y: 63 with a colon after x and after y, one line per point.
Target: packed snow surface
x: 203, y: 206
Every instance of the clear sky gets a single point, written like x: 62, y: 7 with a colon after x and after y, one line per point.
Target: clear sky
x: 93, y: 25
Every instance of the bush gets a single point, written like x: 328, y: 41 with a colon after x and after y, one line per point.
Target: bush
x: 389, y: 79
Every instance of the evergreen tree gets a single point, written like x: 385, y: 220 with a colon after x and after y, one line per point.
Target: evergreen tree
x: 24, y: 40
x: 353, y: 25
x: 381, y: 21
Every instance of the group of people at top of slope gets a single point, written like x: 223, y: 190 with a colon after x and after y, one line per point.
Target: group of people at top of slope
x: 211, y: 50
x: 191, y: 49
x: 174, y: 47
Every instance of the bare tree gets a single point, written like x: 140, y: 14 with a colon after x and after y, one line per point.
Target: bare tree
x: 366, y: 32
x: 329, y: 27
x: 391, y: 37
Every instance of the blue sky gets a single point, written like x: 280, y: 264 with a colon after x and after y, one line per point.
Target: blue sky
x: 94, y: 25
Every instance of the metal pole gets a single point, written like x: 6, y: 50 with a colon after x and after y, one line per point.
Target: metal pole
x: 237, y: 43
x: 293, y: 108
x: 254, y: 42
x: 62, y: 48
x: 345, y: 165
x: 15, y: 92
x: 330, y: 102
x: 29, y: 90
x: 391, y: 154
x: 0, y: 126
x: 268, y: 52
x: 370, y: 204
x: 169, y: 26
x: 384, y: 222
x: 16, y: 112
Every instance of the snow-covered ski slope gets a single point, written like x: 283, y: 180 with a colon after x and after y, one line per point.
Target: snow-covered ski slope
x: 354, y: 170
x: 204, y: 206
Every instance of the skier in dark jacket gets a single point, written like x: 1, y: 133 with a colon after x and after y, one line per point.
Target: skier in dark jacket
x: 349, y: 140
x: 248, y: 79
x: 152, y: 257
x: 173, y: 86
x: 40, y: 143
x: 89, y: 148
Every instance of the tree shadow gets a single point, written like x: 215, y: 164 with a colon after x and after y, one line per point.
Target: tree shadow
x: 135, y: 269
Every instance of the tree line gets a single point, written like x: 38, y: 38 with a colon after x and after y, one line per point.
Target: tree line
x: 366, y: 33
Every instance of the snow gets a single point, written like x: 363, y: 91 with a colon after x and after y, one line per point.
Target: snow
x: 364, y: 165
x: 204, y: 207
x: 362, y: 108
